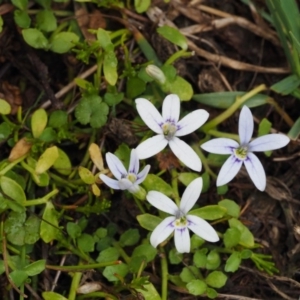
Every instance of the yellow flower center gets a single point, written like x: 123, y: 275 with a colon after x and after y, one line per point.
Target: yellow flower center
x: 169, y: 130
x: 131, y: 177
x: 241, y: 152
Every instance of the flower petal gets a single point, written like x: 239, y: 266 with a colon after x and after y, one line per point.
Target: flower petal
x: 220, y: 146
x: 185, y: 154
x: 149, y: 114
x: 191, y: 195
x: 229, y: 169
x: 202, y: 228
x: 171, y: 108
x: 162, y: 231
x: 182, y: 240
x: 246, y: 125
x: 142, y: 175
x: 134, y: 164
x: 162, y: 202
x: 256, y: 171
x: 191, y: 122
x: 269, y: 142
x: 151, y: 146
x: 112, y: 183
x: 126, y: 184
x: 115, y: 165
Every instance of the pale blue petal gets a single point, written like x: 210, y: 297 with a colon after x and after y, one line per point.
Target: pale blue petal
x: 162, y: 202
x: 220, y: 146
x: 246, y: 125
x: 269, y: 142
x: 229, y: 169
x: 126, y: 184
x: 191, y: 195
x: 112, y: 183
x: 182, y: 240
x: 256, y: 171
x: 151, y: 146
x: 185, y: 154
x: 202, y: 228
x: 142, y: 175
x: 115, y: 165
x: 191, y: 122
x: 171, y: 108
x: 149, y: 114
x: 134, y: 164
x: 162, y: 231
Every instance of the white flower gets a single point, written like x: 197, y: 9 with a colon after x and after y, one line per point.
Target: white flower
x: 180, y: 221
x: 168, y: 129
x: 125, y: 180
x: 242, y: 153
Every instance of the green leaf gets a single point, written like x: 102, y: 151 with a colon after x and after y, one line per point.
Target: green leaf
x: 233, y: 262
x: 35, y: 268
x: 53, y: 296
x: 209, y: 212
x: 196, y: 242
x: 32, y: 228
x: 73, y: 230
x: 206, y: 182
x: 2, y: 267
x: 182, y: 88
x: 187, y: 177
x: 21, y: 4
x: 12, y: 189
x: 200, y: 258
x: 222, y: 190
x: 63, y: 42
x: 224, y: 100
x: 196, y: 287
x: 39, y: 121
x: 213, y: 260
x: 58, y: 118
x: 62, y: 164
x: 22, y: 18
x: 174, y: 36
x: 211, y: 293
x: 86, y: 243
x: 104, y: 39
x: 110, y: 272
x: 155, y: 183
x: 129, y: 237
x: 264, y: 128
x: 48, y: 135
x: 231, y: 237
x: 149, y: 292
x: 13, y: 227
x: 286, y: 85
x: 175, y: 258
x: 46, y: 160
x: 134, y: 87
x: 113, y: 98
x: 35, y: 38
x: 49, y: 230
x: 247, y: 239
x: 5, y: 131
x: 246, y: 253
x: 123, y: 153
x: 216, y: 279
x: 148, y: 221
x: 145, y: 250
x: 18, y: 277
x: 86, y: 175
x: 46, y: 21
x: 141, y: 6
x: 110, y: 64
x: 109, y: 254
x: 1, y: 24
x: 233, y: 209
x: 294, y: 131
x: 92, y: 110
x: 189, y: 273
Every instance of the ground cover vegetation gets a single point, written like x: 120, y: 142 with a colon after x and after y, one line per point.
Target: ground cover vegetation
x: 149, y: 149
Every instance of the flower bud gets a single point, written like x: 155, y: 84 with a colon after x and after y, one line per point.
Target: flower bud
x: 156, y: 73
x: 140, y: 193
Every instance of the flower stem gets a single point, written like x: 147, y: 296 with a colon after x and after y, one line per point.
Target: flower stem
x: 231, y: 110
x: 164, y: 274
x: 175, y: 186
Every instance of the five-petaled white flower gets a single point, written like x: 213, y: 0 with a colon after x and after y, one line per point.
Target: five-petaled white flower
x: 180, y: 221
x: 168, y: 129
x: 125, y: 180
x: 242, y: 153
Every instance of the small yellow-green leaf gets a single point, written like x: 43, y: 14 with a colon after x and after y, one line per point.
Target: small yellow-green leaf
x: 104, y: 38
x: 46, y: 160
x: 173, y: 35
x: 210, y: 212
x: 96, y: 156
x: 5, y: 107
x: 110, y: 67
x: 39, y: 121
x: 86, y: 175
x: 155, y: 183
x: 148, y: 221
x: 182, y: 88
x: 246, y: 239
x: 53, y: 296
x: 62, y: 164
x: 149, y: 292
x: 95, y: 189
x: 12, y: 189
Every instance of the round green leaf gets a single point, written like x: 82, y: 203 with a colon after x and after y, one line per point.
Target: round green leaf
x: 5, y: 107
x: 196, y: 287
x: 247, y: 238
x: 12, y: 189
x: 63, y: 42
x: 211, y: 293
x: 189, y: 273
x: 53, y: 296
x: 216, y: 279
x: 109, y: 254
x: 145, y: 250
x: 199, y: 258
x: 187, y: 177
x: 35, y: 38
x: 39, y: 121
x: 233, y: 262
x: 213, y: 260
x: 46, y: 160
x: 73, y: 230
x: 18, y: 277
x: 148, y: 221
x: 182, y: 88
x: 232, y: 208
x: 130, y: 237
x: 231, y: 237
x: 35, y: 268
x: 175, y: 258
x: 110, y: 272
x: 86, y: 243
x: 141, y: 6
x: 58, y: 118
x: 63, y: 164
x: 209, y: 212
x: 155, y: 183
x: 46, y: 21
x: 86, y: 175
